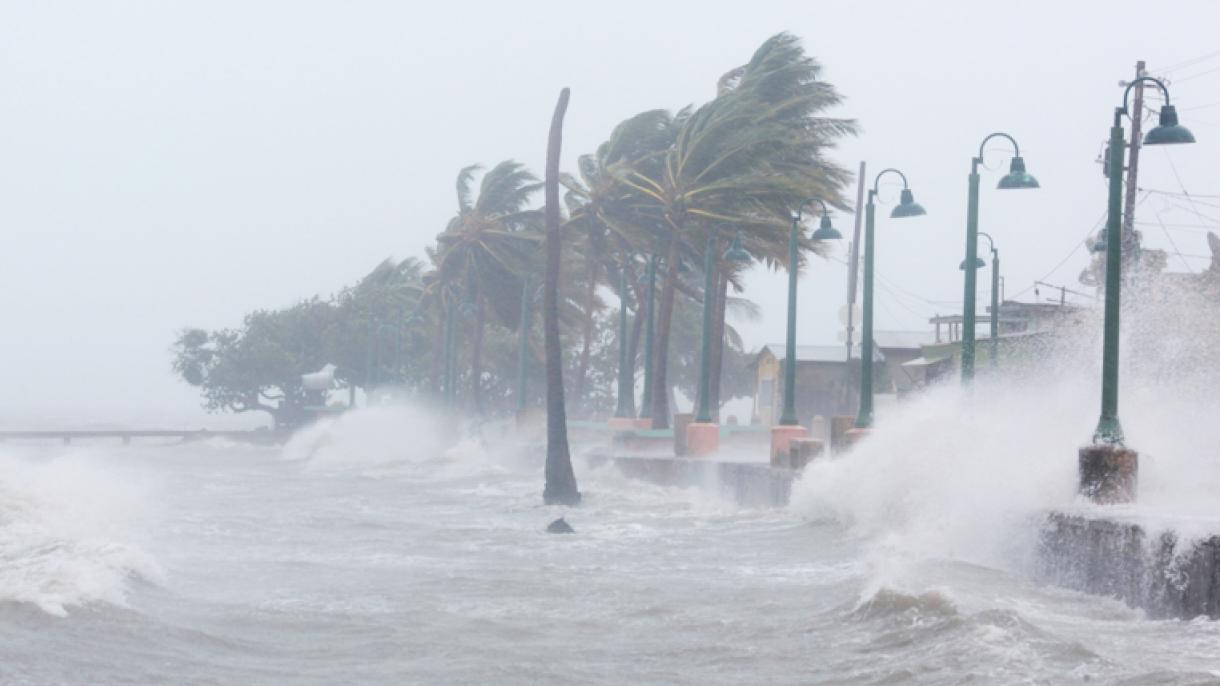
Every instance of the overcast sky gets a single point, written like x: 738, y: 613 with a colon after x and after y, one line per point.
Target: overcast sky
x: 172, y: 164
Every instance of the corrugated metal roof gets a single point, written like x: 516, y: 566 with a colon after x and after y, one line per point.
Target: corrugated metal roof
x: 904, y: 339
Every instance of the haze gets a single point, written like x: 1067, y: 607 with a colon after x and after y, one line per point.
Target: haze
x: 165, y: 165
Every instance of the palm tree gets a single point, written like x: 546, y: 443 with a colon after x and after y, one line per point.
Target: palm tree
x: 486, y: 248
x: 600, y: 227
x: 741, y: 160
x: 560, y: 485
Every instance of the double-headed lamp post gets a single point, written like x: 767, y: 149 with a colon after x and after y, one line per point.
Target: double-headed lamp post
x: 906, y: 207
x: 995, y: 296
x: 1016, y: 178
x: 1107, y: 468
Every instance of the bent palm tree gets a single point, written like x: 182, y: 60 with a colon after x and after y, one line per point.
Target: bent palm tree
x: 560, y: 485
x: 486, y: 248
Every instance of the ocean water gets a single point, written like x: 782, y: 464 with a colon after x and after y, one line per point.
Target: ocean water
x: 375, y: 550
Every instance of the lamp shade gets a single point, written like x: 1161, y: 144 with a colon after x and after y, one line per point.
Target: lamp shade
x: 736, y: 253
x: 907, y: 207
x: 825, y: 231
x: 1169, y: 131
x: 1017, y: 177
x: 978, y: 264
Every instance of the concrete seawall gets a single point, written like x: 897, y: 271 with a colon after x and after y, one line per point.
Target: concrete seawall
x: 746, y: 483
x: 1157, y: 572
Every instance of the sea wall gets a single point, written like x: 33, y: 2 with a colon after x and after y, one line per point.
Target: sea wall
x: 1156, y: 572
x: 744, y: 483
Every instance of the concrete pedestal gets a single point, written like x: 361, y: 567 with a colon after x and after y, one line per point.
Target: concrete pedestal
x: 839, y: 425
x: 702, y: 439
x: 630, y: 423
x: 781, y: 439
x: 802, y: 451
x: 853, y: 436
x: 1108, y: 473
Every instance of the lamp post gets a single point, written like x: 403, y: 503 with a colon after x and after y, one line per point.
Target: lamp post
x: 626, y: 376
x: 1016, y: 178
x: 789, y: 426
x: 906, y: 207
x: 995, y: 295
x: 825, y: 232
x: 1108, y: 469
x: 702, y: 435
x: 646, y: 398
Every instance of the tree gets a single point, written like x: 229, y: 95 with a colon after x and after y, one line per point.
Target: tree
x: 486, y: 248
x: 560, y: 485
x: 740, y: 161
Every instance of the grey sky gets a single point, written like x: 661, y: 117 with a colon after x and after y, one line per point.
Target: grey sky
x: 171, y: 164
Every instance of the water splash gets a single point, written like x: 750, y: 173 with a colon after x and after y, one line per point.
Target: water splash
x: 66, y: 530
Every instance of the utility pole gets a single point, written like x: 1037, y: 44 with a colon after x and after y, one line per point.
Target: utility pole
x: 1131, y: 246
x: 852, y: 278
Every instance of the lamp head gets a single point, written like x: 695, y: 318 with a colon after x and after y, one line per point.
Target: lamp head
x: 978, y: 264
x: 1169, y: 131
x: 1017, y: 177
x: 907, y: 207
x: 825, y: 231
x: 736, y: 253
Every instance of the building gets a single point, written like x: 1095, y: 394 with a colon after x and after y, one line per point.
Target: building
x: 828, y: 381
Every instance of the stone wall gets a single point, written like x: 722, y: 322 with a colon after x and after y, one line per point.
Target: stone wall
x: 1154, y: 572
x: 744, y: 483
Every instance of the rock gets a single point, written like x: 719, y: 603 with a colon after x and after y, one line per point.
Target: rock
x: 560, y: 527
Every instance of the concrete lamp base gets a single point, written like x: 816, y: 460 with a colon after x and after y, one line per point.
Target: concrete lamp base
x: 854, y: 435
x: 1108, y: 473
x: 630, y: 423
x: 702, y: 439
x: 781, y: 442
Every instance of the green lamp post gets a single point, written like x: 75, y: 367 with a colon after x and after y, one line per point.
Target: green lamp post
x: 735, y: 253
x: 650, y: 275
x: 1016, y: 178
x: 1109, y: 430
x: 995, y: 295
x: 906, y: 207
x: 626, y: 377
x: 824, y: 232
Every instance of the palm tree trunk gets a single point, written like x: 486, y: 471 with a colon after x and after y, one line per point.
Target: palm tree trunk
x: 660, y: 356
x: 582, y: 369
x: 560, y: 479
x: 717, y: 351
x: 438, y: 351
x: 637, y: 328
x: 476, y: 357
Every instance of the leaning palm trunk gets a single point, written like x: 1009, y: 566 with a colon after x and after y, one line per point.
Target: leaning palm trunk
x: 582, y: 370
x: 560, y: 479
x: 476, y: 358
x: 717, y: 343
x: 660, y: 356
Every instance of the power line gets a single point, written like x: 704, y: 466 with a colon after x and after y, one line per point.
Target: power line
x: 1189, y: 62
x: 1195, y: 76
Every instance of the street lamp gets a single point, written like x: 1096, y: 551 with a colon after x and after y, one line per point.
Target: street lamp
x: 907, y: 207
x: 825, y: 231
x: 995, y: 295
x: 1107, y: 468
x: 1016, y: 178
x: 626, y: 376
x: 736, y: 253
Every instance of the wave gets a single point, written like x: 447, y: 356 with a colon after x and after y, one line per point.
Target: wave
x: 66, y: 530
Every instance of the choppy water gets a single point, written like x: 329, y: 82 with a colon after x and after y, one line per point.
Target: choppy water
x: 360, y: 555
